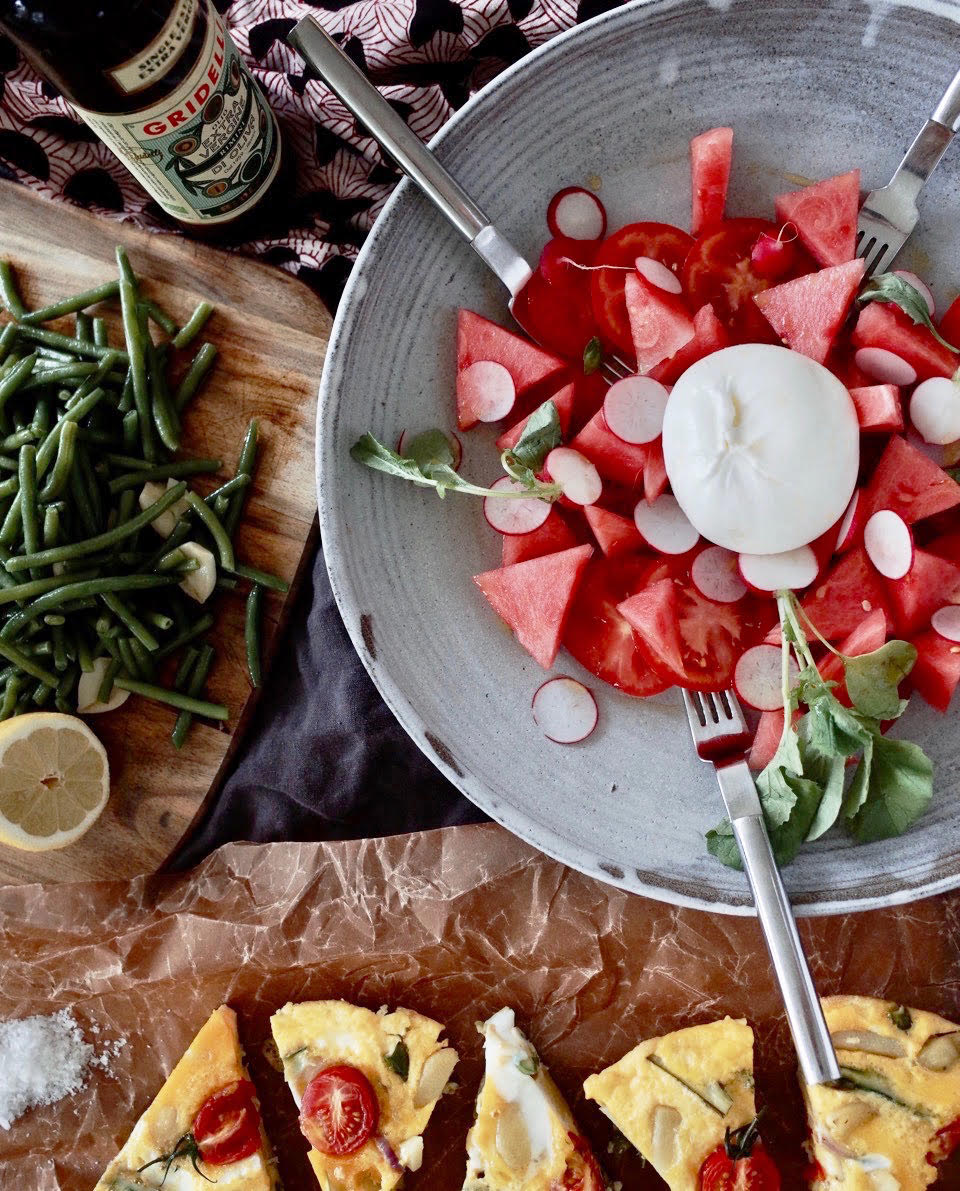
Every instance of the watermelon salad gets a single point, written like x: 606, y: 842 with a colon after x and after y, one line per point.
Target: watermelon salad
x: 763, y: 499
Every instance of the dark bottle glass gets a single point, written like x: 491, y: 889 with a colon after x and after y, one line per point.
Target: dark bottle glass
x: 162, y: 84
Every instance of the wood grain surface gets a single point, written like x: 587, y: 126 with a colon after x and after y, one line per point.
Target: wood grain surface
x: 272, y: 334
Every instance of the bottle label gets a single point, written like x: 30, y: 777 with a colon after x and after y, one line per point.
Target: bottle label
x: 154, y: 61
x: 211, y: 148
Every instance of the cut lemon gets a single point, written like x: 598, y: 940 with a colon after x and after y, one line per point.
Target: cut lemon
x: 54, y: 780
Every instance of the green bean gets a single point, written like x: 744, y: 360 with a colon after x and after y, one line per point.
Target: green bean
x: 165, y: 417
x: 227, y: 582
x: 190, y: 655
x: 60, y: 472
x: 262, y: 578
x: 159, y: 316
x: 42, y: 417
x: 193, y: 378
x: 14, y: 441
x: 245, y: 466
x: 131, y: 429
x: 125, y: 403
x: 7, y: 337
x: 211, y: 711
x: 54, y: 618
x: 221, y: 504
x: 193, y: 326
x: 144, y: 661
x: 100, y: 333
x: 101, y: 541
x: 159, y: 621
x: 28, y: 500
x: 57, y: 373
x: 64, y: 694
x: 106, y: 683
x: 41, y: 693
x: 37, y: 587
x: 8, y: 291
x: 214, y: 527
x: 81, y: 501
x: 51, y: 355
x: 8, y: 463
x: 51, y: 525
x: 60, y: 661
x: 90, y: 483
x: 84, y: 655
x: 197, y: 629
x: 77, y: 589
x: 23, y: 662
x: 199, y: 677
x: 217, y: 499
x: 68, y: 343
x: 10, y: 695
x: 130, y: 619
x: 103, y: 372
x: 16, y: 377
x: 128, y: 658
x: 173, y: 560
x: 125, y: 509
x: 90, y: 297
x: 163, y: 471
x: 83, y: 328
x: 135, y: 352
x: 252, y: 633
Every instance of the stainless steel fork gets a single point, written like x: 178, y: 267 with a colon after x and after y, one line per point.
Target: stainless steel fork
x: 721, y: 738
x: 890, y: 214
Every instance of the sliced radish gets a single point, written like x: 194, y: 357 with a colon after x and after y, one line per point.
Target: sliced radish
x: 918, y: 284
x: 790, y: 570
x: 715, y: 575
x: 487, y: 388
x: 514, y: 515
x: 633, y: 409
x: 889, y: 544
x: 575, y: 474
x: 946, y: 622
x: 850, y: 525
x: 935, y: 410
x: 455, y: 445
x: 758, y: 677
x: 565, y: 710
x: 886, y: 367
x: 773, y: 256
x: 664, y: 526
x: 577, y: 214
x: 658, y: 274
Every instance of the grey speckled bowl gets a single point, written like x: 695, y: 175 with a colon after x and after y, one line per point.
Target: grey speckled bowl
x: 811, y: 88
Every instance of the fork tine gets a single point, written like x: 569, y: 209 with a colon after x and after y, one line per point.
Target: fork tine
x: 695, y: 713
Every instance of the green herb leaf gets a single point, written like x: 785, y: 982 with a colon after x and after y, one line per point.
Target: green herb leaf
x: 529, y: 1064
x: 722, y: 844
x: 398, y: 1060
x: 888, y: 287
x: 786, y: 838
x: 900, y: 1016
x: 834, y: 730
x: 592, y: 355
x: 831, y: 800
x: 899, y: 789
x: 540, y: 435
x: 859, y: 788
x: 432, y: 448
x: 873, y: 678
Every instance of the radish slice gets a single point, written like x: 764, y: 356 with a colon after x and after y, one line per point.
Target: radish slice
x: 633, y: 409
x: 565, y: 710
x: 575, y: 474
x: 850, y: 525
x: 886, y: 367
x: 509, y: 515
x: 487, y: 388
x: 664, y: 526
x: 715, y: 575
x: 791, y: 569
x: 658, y: 274
x: 455, y: 445
x: 577, y: 214
x: 945, y: 621
x: 920, y: 285
x: 758, y: 677
x: 889, y: 544
x: 935, y: 410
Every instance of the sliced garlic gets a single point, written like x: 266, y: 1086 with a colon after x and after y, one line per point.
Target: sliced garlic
x: 513, y: 1140
x: 199, y: 583
x: 410, y: 1153
x: 842, y: 1121
x: 433, y: 1078
x: 869, y: 1042
x: 665, y: 1125
x: 167, y: 521
x: 883, y: 1180
x: 940, y: 1052
x: 89, y: 687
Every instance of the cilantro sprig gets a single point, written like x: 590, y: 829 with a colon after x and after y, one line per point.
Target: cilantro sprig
x: 804, y: 791
x: 889, y: 287
x: 429, y: 458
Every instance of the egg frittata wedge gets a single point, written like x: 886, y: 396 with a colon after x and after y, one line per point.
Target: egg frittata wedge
x: 675, y: 1097
x: 898, y: 1112
x: 524, y: 1137
x: 366, y: 1084
x: 203, y: 1126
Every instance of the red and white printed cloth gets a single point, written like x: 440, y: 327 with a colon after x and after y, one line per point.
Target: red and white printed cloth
x: 427, y: 56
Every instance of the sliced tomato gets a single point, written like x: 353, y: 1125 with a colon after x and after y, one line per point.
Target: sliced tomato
x: 554, y: 306
x: 661, y: 241
x: 719, y: 270
x: 599, y: 637
x: 340, y: 1111
x: 583, y: 1171
x: 739, y: 1163
x: 945, y: 1141
x: 227, y: 1127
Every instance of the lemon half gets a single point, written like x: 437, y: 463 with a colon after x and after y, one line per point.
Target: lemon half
x: 54, y: 780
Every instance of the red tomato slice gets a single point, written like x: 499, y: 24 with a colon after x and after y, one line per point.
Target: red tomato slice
x: 340, y: 1111
x: 227, y: 1127
x: 662, y: 241
x: 945, y: 1141
x: 554, y: 306
x: 719, y: 270
x: 756, y: 1172
x: 583, y: 1172
x: 599, y: 637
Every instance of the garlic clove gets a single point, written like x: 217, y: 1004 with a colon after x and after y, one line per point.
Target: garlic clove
x: 665, y: 1125
x: 940, y: 1052
x: 844, y: 1120
x: 513, y: 1140
x: 869, y: 1042
x: 199, y: 583
x: 88, y: 689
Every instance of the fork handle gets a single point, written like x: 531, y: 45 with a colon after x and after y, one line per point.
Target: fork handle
x: 947, y: 111
x: 811, y: 1038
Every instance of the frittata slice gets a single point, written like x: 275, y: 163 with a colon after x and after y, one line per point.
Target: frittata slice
x: 898, y: 1112
x: 203, y: 1126
x: 524, y: 1137
x: 675, y: 1097
x: 366, y: 1084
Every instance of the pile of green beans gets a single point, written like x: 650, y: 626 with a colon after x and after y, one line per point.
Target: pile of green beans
x: 84, y: 425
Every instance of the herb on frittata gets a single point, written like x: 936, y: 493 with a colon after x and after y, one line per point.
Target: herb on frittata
x: 529, y: 1064
x: 900, y: 1016
x: 398, y: 1060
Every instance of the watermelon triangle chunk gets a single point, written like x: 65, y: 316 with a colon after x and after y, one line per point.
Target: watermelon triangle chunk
x: 563, y: 400
x: 534, y: 598
x: 654, y: 616
x: 883, y: 325
x: 849, y: 591
x: 878, y: 408
x: 808, y: 312
x: 929, y: 584
x: 936, y: 673
x: 908, y: 482
x: 554, y: 535
x: 659, y: 321
x: 825, y: 216
x: 711, y: 155
x: 709, y: 335
x: 614, y: 534
x: 617, y: 461
x: 655, y: 473
x: 480, y: 339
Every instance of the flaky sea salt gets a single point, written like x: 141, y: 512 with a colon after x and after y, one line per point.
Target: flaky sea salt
x: 43, y: 1059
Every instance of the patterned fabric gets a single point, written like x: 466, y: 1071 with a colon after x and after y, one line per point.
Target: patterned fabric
x: 427, y: 56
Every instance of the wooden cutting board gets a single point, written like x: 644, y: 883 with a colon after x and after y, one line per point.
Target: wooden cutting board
x: 272, y: 333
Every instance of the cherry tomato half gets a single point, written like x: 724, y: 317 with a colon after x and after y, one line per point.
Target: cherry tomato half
x: 227, y: 1127
x: 754, y: 1172
x: 583, y: 1172
x: 340, y: 1111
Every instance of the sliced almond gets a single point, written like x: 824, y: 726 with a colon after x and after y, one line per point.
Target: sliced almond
x: 433, y: 1079
x: 665, y: 1124
x: 940, y: 1052
x: 869, y: 1042
x: 842, y: 1121
x: 513, y: 1140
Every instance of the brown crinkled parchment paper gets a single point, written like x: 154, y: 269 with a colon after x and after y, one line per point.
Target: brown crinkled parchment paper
x: 452, y: 923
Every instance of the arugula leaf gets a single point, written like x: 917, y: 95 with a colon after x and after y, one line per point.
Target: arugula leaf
x: 592, y: 355
x: 888, y: 287
x: 789, y: 807
x: 722, y: 844
x: 834, y: 730
x: 789, y: 835
x: 430, y: 449
x: 831, y: 799
x: 872, y: 679
x: 857, y: 791
x: 898, y: 790
x: 540, y: 435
